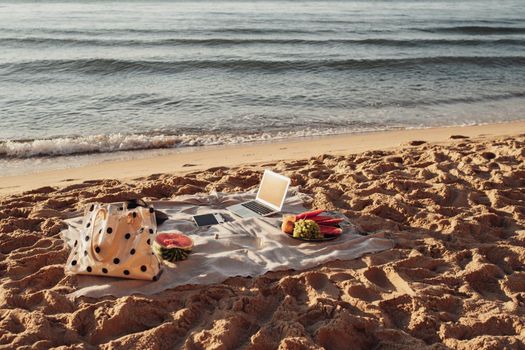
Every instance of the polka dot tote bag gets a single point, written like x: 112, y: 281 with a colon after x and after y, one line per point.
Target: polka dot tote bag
x: 115, y: 240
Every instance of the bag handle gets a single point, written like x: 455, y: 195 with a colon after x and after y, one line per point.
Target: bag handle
x: 101, y: 212
x: 137, y: 202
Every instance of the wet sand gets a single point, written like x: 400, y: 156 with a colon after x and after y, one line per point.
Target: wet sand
x: 186, y: 160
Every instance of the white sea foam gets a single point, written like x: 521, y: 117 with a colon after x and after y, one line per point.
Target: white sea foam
x: 64, y: 146
x: 86, y: 144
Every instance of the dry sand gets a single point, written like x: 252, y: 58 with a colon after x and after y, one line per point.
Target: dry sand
x: 455, y: 279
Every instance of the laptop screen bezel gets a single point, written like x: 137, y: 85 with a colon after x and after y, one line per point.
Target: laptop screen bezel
x: 271, y: 173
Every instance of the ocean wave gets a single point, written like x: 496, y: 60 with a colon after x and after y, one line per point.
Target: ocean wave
x: 176, y: 31
x: 195, y: 137
x: 93, y: 144
x: 303, y: 26
x: 84, y: 145
x: 456, y: 100
x: 112, y: 66
x: 47, y: 41
x: 474, y: 30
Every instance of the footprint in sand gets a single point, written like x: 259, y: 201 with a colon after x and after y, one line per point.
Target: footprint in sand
x: 319, y: 285
x: 458, y: 137
x: 378, y: 277
x: 416, y: 143
x: 364, y: 293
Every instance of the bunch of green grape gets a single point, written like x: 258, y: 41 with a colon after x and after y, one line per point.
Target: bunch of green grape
x: 307, y: 229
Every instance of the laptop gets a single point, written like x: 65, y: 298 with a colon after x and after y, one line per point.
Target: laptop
x: 269, y: 200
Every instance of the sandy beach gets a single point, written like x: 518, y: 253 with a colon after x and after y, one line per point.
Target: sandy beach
x: 453, y: 198
x: 401, y: 124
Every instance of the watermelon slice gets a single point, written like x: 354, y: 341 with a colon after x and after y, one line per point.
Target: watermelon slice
x: 327, y: 220
x: 309, y: 214
x: 320, y: 218
x: 173, y: 246
x: 330, y: 222
x: 330, y: 230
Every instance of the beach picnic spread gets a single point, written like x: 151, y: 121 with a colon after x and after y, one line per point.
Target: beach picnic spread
x: 188, y: 254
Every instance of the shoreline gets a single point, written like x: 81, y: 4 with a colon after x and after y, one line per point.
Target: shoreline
x: 189, y: 160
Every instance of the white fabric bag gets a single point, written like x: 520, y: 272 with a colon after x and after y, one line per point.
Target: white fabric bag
x: 115, y: 240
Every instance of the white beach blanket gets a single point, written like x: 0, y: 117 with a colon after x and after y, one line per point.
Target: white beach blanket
x: 245, y: 247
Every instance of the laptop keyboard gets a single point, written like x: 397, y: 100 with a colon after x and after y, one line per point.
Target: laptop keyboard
x: 258, y: 208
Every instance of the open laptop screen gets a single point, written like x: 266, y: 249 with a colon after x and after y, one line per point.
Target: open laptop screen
x: 273, y: 189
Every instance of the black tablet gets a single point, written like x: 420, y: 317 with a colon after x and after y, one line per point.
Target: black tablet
x: 208, y: 219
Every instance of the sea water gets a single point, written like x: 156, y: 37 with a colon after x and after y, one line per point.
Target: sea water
x: 84, y: 79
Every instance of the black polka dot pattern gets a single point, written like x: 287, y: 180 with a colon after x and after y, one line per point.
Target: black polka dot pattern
x: 149, y: 241
x: 105, y: 270
x: 116, y: 261
x: 127, y: 236
x: 151, y: 231
x: 87, y: 238
x: 76, y: 243
x: 74, y: 262
x: 143, y: 268
x: 134, y: 214
x: 92, y: 207
x: 126, y: 272
x: 97, y: 249
x: 132, y: 251
x: 109, y: 230
x: 85, y: 252
x: 89, y: 269
x: 88, y: 224
x: 151, y: 210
